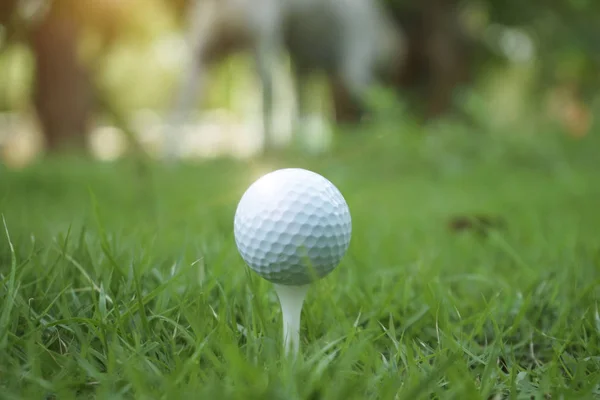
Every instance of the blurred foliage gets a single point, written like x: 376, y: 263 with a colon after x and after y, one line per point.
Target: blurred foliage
x: 564, y: 34
x: 116, y: 38
x: 136, y: 48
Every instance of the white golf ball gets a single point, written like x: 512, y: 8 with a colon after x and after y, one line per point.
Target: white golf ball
x: 292, y: 226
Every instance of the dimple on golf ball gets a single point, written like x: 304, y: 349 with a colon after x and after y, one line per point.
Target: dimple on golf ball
x: 292, y: 226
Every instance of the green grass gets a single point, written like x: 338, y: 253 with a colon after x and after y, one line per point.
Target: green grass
x: 123, y: 280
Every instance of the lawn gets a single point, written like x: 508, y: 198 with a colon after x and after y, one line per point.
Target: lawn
x: 123, y: 280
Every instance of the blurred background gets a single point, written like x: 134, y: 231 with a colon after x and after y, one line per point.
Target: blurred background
x: 472, y: 181
x: 102, y: 76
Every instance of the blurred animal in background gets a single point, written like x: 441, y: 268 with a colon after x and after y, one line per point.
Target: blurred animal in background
x: 353, y: 42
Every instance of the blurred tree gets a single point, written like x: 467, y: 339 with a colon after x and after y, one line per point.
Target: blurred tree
x: 437, y: 60
x: 565, y: 33
x: 438, y: 53
x: 7, y: 10
x: 7, y: 20
x: 565, y: 37
x: 444, y: 52
x: 62, y: 92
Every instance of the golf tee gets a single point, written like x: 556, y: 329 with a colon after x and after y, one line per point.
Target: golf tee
x: 291, y: 300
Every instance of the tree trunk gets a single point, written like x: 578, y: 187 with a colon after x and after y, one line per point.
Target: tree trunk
x: 446, y: 53
x: 62, y: 93
x: 7, y: 8
x: 437, y: 60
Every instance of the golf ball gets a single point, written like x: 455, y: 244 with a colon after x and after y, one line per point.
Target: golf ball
x: 292, y: 226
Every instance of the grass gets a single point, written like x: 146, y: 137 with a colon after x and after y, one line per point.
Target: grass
x: 123, y: 281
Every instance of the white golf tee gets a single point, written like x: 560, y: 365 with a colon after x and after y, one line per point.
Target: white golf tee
x: 291, y: 300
